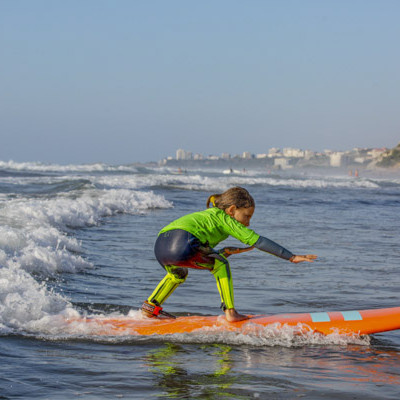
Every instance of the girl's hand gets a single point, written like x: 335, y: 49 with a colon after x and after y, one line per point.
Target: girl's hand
x: 299, y: 259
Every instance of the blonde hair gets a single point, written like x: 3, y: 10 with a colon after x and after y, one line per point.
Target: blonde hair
x: 236, y: 196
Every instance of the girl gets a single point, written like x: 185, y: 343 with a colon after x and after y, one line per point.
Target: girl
x: 189, y: 242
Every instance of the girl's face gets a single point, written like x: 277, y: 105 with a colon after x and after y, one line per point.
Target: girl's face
x: 242, y: 215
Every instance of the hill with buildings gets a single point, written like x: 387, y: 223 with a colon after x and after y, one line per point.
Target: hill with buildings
x: 390, y: 158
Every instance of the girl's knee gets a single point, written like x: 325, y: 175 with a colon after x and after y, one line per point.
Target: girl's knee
x: 222, y: 267
x: 177, y: 274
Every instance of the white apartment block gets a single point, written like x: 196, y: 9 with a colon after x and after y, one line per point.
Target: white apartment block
x: 274, y: 152
x: 293, y: 153
x: 282, y: 163
x: 246, y: 155
x: 183, y: 155
x: 336, y: 159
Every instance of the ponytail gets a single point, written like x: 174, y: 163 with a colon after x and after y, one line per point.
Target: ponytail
x: 236, y: 196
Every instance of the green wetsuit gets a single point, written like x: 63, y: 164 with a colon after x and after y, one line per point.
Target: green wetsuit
x: 212, y: 226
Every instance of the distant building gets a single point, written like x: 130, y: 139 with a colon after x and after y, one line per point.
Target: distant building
x: 281, y: 163
x: 183, y: 155
x: 336, y: 159
x: 198, y: 157
x: 375, y: 153
x: 180, y: 154
x: 293, y: 153
x: 246, y: 155
x: 225, y: 156
x: 274, y: 152
x: 308, y: 154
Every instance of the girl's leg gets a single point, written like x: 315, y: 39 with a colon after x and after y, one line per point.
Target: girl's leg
x: 223, y: 277
x: 175, y: 276
x: 175, y: 250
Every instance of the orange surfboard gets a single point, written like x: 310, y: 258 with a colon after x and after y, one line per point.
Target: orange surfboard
x: 359, y: 322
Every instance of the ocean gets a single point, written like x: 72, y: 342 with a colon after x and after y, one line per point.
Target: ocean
x: 77, y: 240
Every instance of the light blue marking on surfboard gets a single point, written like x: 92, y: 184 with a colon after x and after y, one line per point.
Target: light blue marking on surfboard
x: 351, y: 316
x: 320, y: 317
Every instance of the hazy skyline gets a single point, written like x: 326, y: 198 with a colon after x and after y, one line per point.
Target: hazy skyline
x: 125, y: 81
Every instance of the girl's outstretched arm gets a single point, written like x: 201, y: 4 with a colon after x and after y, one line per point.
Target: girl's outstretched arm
x: 298, y: 259
x: 274, y: 248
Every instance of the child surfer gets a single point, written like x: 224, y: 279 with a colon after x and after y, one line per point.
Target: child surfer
x: 189, y: 242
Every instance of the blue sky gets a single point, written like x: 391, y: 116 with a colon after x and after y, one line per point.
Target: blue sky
x: 121, y: 81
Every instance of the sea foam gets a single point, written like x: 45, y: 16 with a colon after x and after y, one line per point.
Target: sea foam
x: 70, y: 325
x: 36, y: 241
x: 220, y: 183
x: 40, y: 167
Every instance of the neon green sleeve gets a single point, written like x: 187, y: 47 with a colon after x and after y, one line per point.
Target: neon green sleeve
x: 238, y: 230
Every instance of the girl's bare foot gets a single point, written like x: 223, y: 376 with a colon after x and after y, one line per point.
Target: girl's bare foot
x: 232, y: 315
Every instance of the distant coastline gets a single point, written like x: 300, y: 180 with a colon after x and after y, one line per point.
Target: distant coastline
x: 289, y: 158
